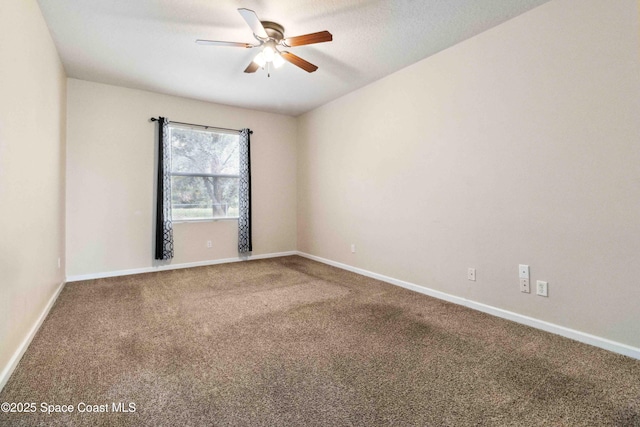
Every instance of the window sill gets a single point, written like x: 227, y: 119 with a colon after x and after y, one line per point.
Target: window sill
x: 178, y: 221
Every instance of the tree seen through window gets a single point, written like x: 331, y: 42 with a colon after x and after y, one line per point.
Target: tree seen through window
x: 205, y: 173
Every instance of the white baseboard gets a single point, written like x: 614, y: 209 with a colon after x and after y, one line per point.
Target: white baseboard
x: 15, y: 359
x: 573, y: 334
x: 117, y: 273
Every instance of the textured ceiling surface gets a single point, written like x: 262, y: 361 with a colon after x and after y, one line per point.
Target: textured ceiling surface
x: 150, y: 44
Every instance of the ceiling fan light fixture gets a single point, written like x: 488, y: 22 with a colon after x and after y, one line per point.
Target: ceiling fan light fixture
x: 278, y: 60
x: 269, y: 53
x: 260, y: 60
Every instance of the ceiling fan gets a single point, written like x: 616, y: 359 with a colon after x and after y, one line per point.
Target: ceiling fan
x: 270, y: 36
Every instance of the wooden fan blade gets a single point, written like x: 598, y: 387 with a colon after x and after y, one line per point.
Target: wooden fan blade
x: 254, y: 23
x: 219, y: 43
x: 321, y: 37
x: 252, y: 68
x: 299, y: 62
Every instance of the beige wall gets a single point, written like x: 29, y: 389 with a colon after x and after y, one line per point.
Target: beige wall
x: 521, y: 145
x: 110, y: 180
x: 32, y: 126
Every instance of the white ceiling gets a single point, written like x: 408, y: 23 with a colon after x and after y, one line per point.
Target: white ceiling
x: 150, y: 44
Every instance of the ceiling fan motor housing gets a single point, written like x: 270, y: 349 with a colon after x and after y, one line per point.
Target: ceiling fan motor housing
x: 274, y: 30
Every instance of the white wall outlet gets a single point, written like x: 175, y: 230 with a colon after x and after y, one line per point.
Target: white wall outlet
x: 523, y: 271
x: 353, y: 248
x: 542, y: 288
x: 471, y: 274
x: 59, y: 263
x: 524, y: 286
x: 209, y: 243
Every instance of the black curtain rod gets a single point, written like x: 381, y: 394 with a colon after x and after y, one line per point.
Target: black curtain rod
x: 153, y: 119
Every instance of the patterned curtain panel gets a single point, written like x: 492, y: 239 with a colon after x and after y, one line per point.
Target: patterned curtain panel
x: 164, y: 226
x: 244, y: 217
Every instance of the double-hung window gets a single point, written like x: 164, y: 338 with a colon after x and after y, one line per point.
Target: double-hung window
x: 204, y: 173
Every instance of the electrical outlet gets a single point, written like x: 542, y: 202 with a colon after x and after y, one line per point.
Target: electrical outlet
x: 542, y: 288
x: 353, y: 248
x: 524, y: 286
x: 523, y: 271
x: 209, y: 243
x: 59, y: 263
x: 471, y: 274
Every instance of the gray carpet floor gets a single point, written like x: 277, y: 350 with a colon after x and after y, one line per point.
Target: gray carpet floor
x: 292, y: 342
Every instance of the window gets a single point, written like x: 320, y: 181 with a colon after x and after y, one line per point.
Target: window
x: 204, y: 173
